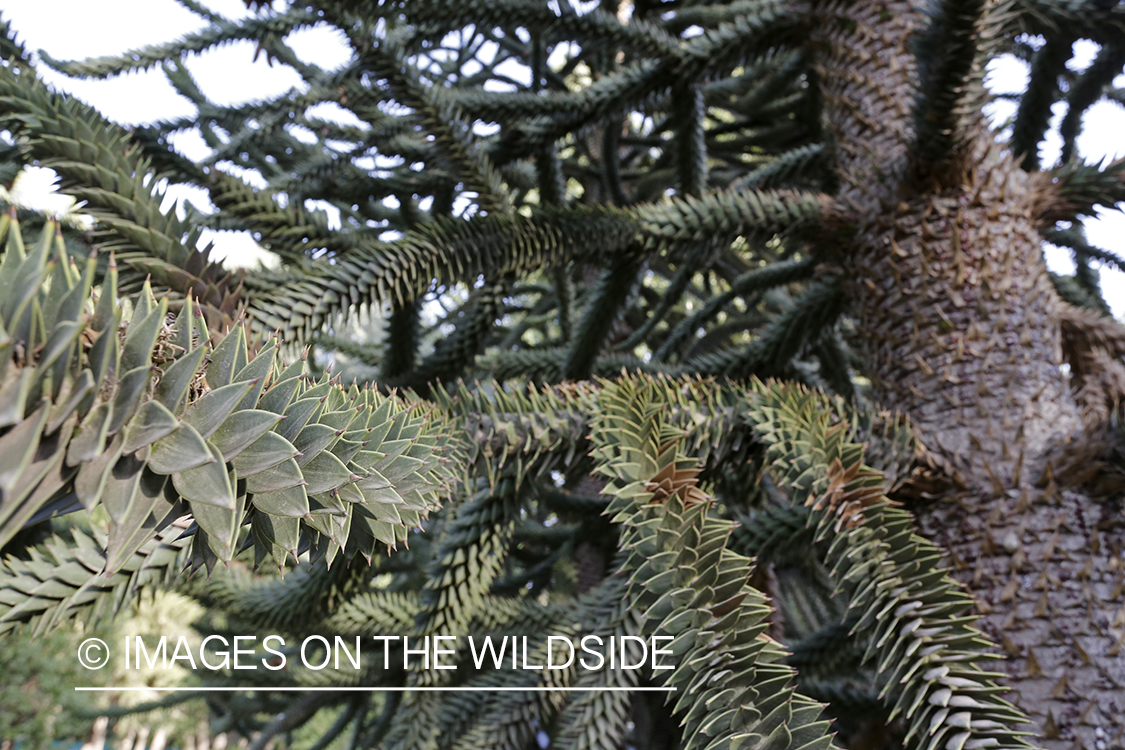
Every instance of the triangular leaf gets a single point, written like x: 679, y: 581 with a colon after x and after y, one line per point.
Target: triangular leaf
x: 240, y: 430
x: 207, y: 484
x: 152, y: 422
x: 209, y: 411
x: 184, y: 449
x: 268, y: 450
x: 290, y: 502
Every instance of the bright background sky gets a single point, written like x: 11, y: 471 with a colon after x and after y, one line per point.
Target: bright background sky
x: 76, y: 29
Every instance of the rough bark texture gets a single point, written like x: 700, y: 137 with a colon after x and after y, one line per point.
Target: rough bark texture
x: 962, y: 330
x: 961, y: 324
x: 867, y: 72
x: 959, y: 317
x: 1046, y: 568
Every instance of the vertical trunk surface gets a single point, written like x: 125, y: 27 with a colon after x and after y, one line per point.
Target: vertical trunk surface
x: 961, y: 327
x: 960, y: 322
x: 1046, y: 570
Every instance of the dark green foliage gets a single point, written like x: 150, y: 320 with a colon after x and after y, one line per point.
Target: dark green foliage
x: 1030, y: 126
x: 946, y: 53
x: 65, y: 579
x: 608, y: 298
x: 913, y: 617
x: 1087, y: 90
x: 454, y: 354
x: 800, y: 166
x: 1084, y: 252
x: 402, y: 342
x: 1082, y: 187
x: 561, y: 428
x: 782, y: 339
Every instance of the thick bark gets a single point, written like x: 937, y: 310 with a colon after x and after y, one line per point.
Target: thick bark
x: 961, y: 323
x: 961, y: 327
x: 1046, y: 569
x: 959, y: 317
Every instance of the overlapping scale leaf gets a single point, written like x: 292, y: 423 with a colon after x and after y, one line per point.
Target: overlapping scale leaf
x: 64, y: 578
x: 730, y: 213
x: 731, y: 687
x: 469, y: 555
x: 526, y: 431
x: 132, y: 409
x: 916, y: 620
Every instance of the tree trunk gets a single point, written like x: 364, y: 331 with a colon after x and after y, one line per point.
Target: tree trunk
x: 961, y: 325
x: 1046, y: 569
x: 961, y: 329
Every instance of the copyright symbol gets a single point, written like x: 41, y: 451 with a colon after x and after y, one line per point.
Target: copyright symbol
x: 93, y: 653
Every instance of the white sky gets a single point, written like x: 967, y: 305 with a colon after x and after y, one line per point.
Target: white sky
x: 76, y: 29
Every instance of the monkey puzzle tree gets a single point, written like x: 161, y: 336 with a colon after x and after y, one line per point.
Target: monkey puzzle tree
x: 720, y: 321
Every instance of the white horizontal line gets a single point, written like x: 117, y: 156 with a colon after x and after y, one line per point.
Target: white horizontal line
x: 382, y: 689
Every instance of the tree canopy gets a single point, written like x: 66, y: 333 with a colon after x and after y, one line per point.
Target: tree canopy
x: 728, y: 324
